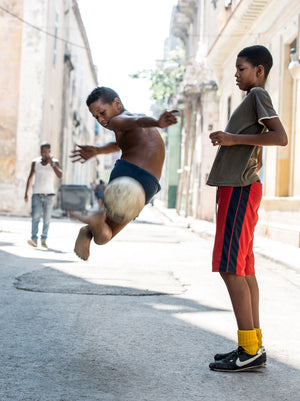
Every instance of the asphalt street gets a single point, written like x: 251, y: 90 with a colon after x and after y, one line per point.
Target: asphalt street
x: 140, y: 321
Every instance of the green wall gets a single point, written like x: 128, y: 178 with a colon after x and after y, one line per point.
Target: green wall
x: 173, y: 162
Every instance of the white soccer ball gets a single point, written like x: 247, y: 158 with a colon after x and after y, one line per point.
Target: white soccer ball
x: 123, y: 199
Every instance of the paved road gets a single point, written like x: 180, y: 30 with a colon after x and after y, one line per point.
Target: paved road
x: 140, y: 321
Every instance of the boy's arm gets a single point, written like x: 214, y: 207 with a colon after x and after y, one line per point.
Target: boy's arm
x: 29, y: 181
x: 275, y: 136
x: 124, y: 122
x: 85, y: 152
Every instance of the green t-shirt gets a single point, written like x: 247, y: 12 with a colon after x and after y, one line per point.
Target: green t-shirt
x: 237, y: 165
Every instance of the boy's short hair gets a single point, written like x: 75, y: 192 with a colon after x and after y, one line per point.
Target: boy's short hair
x: 258, y: 55
x: 46, y: 145
x: 108, y: 95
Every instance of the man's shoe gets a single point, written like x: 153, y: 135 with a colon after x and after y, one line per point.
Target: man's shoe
x: 32, y: 243
x: 219, y: 357
x: 239, y: 360
x: 44, y: 244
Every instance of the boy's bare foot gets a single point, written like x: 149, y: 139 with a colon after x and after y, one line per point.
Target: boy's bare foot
x: 96, y: 228
x: 82, y: 244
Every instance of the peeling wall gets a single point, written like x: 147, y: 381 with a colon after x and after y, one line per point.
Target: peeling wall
x: 10, y: 53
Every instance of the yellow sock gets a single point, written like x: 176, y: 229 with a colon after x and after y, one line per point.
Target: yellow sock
x: 248, y: 340
x: 259, y: 337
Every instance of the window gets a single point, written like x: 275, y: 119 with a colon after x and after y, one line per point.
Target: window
x: 55, y: 39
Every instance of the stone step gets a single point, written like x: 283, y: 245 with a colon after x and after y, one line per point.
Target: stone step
x: 284, y: 233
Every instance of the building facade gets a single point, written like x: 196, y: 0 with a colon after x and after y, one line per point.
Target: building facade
x: 46, y: 73
x: 213, y: 33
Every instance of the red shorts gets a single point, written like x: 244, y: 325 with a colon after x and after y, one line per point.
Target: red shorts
x: 236, y: 220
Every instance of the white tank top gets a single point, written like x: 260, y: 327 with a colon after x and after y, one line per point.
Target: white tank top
x: 44, y: 177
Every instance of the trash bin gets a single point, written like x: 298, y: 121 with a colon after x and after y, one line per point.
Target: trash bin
x: 75, y: 197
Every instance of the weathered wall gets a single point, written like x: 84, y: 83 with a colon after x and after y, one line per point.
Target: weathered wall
x: 10, y: 56
x: 33, y: 104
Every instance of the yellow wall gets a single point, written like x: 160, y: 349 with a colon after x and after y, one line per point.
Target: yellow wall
x: 10, y: 50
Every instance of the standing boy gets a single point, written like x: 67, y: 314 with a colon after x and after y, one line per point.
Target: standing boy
x: 235, y: 172
x: 143, y: 155
x: 44, y: 168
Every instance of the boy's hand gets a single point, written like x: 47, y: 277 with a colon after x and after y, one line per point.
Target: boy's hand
x: 84, y: 153
x: 167, y: 118
x: 222, y: 138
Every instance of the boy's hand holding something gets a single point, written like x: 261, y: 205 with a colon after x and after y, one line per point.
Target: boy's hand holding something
x: 222, y: 138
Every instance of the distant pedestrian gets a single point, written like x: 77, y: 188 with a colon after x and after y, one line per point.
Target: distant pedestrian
x: 99, y: 192
x: 235, y: 172
x: 43, y: 169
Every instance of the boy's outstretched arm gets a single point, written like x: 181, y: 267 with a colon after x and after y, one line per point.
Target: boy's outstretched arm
x: 86, y: 152
x: 125, y: 122
x: 275, y: 136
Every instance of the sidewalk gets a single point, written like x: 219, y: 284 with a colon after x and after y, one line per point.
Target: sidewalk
x: 275, y: 251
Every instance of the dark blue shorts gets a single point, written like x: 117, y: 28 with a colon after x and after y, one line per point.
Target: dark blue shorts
x: 147, y: 180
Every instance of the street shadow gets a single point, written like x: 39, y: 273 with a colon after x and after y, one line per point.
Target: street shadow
x: 2, y: 244
x: 20, y: 262
x: 153, y: 223
x: 6, y: 244
x: 52, y: 250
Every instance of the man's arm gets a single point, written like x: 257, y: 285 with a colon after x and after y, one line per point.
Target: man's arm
x: 275, y: 136
x: 29, y: 181
x: 126, y: 122
x: 85, y: 152
x: 57, y: 169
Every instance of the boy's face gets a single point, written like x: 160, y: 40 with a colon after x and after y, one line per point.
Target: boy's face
x: 104, y: 112
x: 248, y: 76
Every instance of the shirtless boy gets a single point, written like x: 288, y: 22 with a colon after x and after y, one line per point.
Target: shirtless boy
x: 143, y: 154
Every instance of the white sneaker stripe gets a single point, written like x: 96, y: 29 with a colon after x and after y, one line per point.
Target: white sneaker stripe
x: 243, y: 363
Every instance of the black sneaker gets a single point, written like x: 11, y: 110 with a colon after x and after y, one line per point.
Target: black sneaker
x: 219, y: 357
x: 239, y: 360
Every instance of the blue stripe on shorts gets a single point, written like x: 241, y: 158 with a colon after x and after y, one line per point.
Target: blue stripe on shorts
x: 233, y: 227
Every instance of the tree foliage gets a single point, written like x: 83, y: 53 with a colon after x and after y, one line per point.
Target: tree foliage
x: 165, y: 78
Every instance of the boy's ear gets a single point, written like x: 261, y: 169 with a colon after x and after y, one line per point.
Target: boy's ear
x: 118, y: 103
x: 260, y: 70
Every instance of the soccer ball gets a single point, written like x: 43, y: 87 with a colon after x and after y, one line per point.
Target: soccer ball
x: 123, y: 199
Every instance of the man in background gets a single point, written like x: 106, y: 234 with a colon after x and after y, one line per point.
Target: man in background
x: 43, y: 169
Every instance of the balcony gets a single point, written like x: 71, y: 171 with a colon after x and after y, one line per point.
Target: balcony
x: 238, y: 24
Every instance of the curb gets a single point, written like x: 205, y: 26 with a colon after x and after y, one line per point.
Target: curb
x: 285, y: 255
